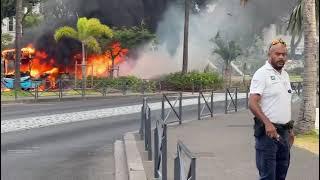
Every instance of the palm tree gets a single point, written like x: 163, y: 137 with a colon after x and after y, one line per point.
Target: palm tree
x: 228, y: 51
x: 19, y: 13
x: 307, y: 114
x: 88, y: 30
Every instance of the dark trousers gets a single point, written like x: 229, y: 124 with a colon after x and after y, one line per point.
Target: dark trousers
x: 273, y: 156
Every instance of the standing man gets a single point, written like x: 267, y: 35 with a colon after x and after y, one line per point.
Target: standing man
x: 270, y: 102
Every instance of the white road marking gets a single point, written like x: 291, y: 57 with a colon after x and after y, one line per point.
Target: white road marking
x: 48, y: 120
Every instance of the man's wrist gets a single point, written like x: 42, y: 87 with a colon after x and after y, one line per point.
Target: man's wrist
x: 266, y: 122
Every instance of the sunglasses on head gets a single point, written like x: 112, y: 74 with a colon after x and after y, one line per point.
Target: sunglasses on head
x: 277, y: 41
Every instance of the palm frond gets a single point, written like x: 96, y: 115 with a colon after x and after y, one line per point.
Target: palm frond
x: 95, y: 28
x: 92, y: 44
x: 82, y: 27
x: 296, y: 18
x: 65, y: 31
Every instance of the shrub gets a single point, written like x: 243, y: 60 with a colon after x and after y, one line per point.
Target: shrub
x: 131, y: 83
x: 194, y: 79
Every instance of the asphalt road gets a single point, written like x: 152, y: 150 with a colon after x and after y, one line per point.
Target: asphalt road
x: 72, y: 151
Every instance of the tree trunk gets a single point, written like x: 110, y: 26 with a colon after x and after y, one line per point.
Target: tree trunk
x: 112, y: 67
x: 227, y: 75
x: 18, y: 46
x: 185, y: 38
x: 83, y: 64
x: 306, y: 121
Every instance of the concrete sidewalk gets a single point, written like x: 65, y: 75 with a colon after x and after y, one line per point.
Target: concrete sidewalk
x: 224, y: 148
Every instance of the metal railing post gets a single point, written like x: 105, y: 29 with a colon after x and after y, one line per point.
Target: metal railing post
x: 141, y: 123
x: 180, y: 108
x: 162, y: 107
x: 236, y: 100
x: 156, y: 152
x: 247, y: 97
x: 82, y: 89
x: 148, y: 133
x: 177, y: 167
x: 36, y: 94
x: 199, y: 105
x: 60, y: 89
x: 211, y: 104
x: 193, y: 169
x: 164, y: 153
x: 226, y: 101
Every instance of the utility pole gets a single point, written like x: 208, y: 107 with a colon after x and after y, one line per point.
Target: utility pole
x: 185, y: 38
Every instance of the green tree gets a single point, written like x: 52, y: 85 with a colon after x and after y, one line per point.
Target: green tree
x: 88, y: 30
x: 132, y: 37
x: 228, y: 51
x: 126, y: 38
x: 31, y: 20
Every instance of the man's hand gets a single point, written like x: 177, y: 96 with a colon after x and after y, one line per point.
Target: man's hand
x: 291, y: 138
x: 271, y: 131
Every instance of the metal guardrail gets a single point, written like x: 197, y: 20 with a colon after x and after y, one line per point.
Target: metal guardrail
x: 160, y: 150
x: 206, y: 104
x: 231, y: 92
x: 145, y: 127
x: 180, y: 164
x: 165, y: 115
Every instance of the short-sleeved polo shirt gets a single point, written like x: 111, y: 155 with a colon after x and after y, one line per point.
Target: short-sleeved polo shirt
x: 275, y: 91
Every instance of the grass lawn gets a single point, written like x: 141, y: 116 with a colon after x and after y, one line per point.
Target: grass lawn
x: 309, y: 141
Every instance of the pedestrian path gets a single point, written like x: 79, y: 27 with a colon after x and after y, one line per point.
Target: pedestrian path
x: 224, y: 148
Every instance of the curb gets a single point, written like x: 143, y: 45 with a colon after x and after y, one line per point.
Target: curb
x: 120, y: 161
x: 134, y: 162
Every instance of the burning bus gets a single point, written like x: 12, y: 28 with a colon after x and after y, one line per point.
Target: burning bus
x: 37, y: 66
x: 8, y: 68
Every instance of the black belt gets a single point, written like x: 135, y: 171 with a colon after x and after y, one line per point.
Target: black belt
x: 286, y: 126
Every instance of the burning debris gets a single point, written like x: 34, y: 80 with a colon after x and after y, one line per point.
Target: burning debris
x: 38, y: 65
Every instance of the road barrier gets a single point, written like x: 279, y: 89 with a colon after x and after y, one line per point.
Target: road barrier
x: 182, y: 170
x: 208, y: 102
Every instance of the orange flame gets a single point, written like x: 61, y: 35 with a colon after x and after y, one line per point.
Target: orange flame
x: 38, y: 64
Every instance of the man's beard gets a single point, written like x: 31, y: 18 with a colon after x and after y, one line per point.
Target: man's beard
x: 278, y: 67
